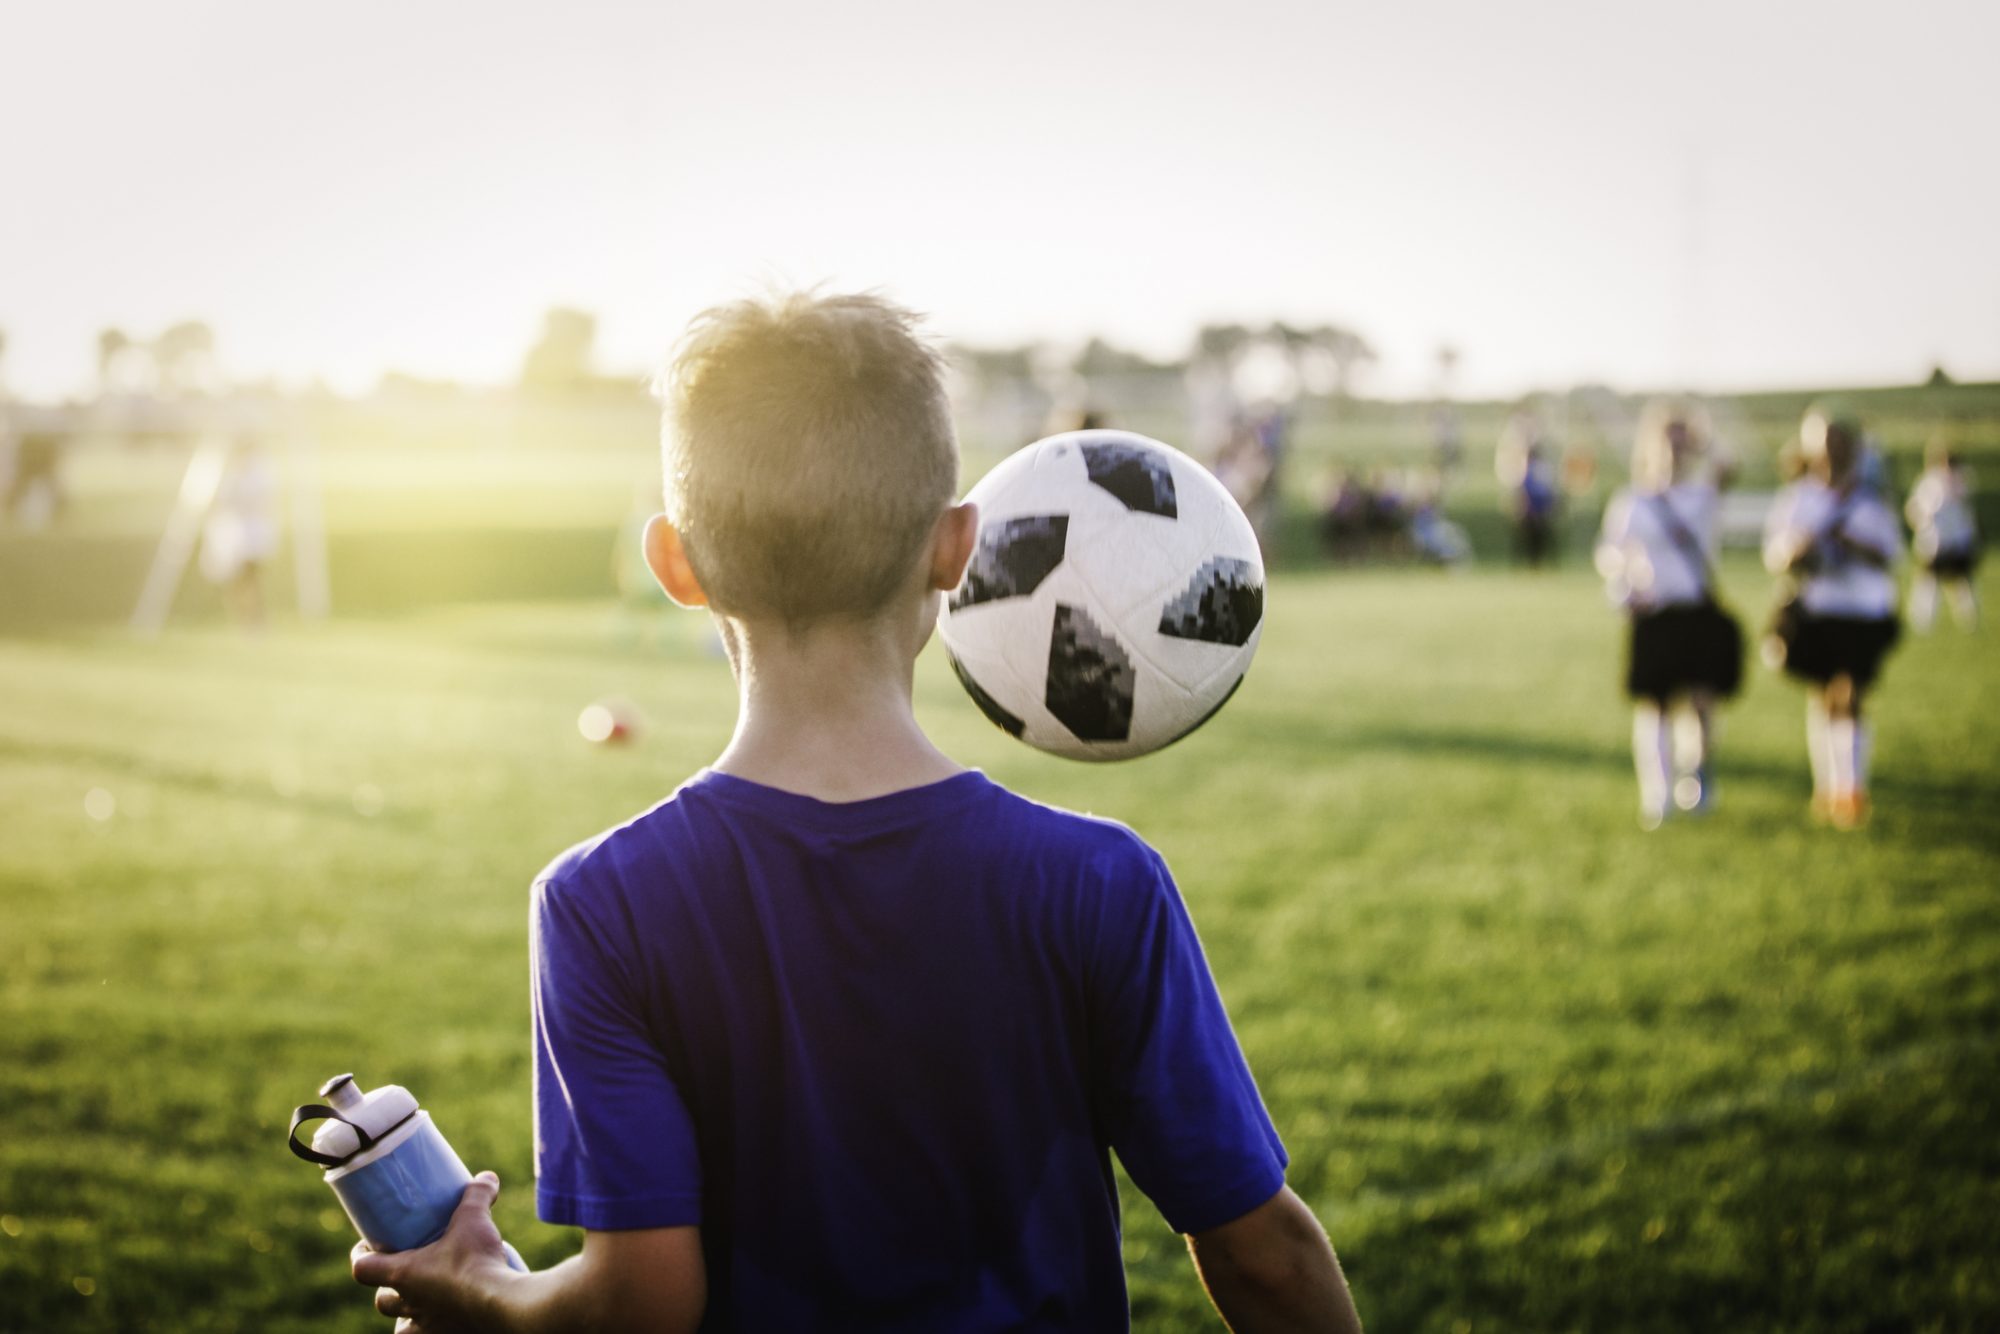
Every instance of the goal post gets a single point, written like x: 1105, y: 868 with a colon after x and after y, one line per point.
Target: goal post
x: 305, y: 527
x: 308, y: 514
x: 177, y: 544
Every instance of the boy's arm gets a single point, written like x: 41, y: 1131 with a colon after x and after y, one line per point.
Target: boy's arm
x: 1274, y: 1270
x: 647, y: 1279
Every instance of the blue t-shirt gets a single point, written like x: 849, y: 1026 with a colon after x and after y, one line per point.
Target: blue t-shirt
x: 879, y: 1051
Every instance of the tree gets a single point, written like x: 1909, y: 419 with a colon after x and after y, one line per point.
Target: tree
x: 185, y: 357
x: 1099, y: 357
x: 561, y: 359
x: 1447, y: 364
x: 1346, y: 351
x: 993, y: 365
x: 1221, y: 344
x: 112, y: 347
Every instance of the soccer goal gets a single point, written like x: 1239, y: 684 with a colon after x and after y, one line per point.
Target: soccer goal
x: 228, y: 510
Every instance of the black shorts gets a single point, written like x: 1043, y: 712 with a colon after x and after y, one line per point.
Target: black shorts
x: 1679, y: 649
x: 1830, y: 646
x: 1957, y: 564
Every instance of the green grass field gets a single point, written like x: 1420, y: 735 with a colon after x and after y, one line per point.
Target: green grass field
x: 1537, y: 1070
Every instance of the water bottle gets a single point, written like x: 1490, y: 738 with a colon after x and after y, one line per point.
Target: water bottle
x: 387, y: 1163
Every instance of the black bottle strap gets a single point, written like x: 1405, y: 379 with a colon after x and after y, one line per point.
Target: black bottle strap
x: 314, y: 1111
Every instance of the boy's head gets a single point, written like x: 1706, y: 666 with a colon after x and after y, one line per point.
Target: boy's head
x: 809, y: 456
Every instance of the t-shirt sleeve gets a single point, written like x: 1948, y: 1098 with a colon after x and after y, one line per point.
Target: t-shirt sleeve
x: 614, y: 1145
x: 1179, y: 1104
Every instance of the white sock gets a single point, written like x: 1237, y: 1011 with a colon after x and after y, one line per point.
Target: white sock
x: 1652, y: 757
x: 1964, y: 603
x: 1844, y: 751
x: 1923, y: 602
x: 1864, y: 751
x: 1819, y: 746
x: 1690, y: 757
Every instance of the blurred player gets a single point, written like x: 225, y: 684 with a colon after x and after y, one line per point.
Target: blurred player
x: 1247, y: 467
x: 1837, y: 542
x: 241, y: 534
x: 1447, y: 439
x: 1685, y: 650
x: 1524, y: 463
x: 1947, y: 540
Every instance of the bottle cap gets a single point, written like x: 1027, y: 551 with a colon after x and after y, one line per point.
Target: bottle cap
x: 377, y: 1112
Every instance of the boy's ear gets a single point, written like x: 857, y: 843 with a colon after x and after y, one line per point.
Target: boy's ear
x: 951, y: 548
x: 667, y: 559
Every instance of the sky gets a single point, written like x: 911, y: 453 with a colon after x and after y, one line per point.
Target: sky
x: 1704, y: 196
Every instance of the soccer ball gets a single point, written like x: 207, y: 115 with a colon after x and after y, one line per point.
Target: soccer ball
x: 608, y: 722
x: 1114, y: 599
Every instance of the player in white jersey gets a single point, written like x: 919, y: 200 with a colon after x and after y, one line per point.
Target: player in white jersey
x: 1947, y: 540
x: 1685, y: 651
x: 240, y: 535
x: 1836, y: 543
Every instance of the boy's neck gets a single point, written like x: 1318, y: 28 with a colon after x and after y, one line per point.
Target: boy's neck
x: 827, y: 712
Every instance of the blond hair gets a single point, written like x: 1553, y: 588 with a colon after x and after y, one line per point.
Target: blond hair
x: 808, y: 453
x: 1656, y: 465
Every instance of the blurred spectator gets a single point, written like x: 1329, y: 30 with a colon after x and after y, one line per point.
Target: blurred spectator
x: 1946, y: 541
x: 1387, y: 520
x: 1343, y: 515
x: 1064, y: 419
x: 1579, y: 470
x: 34, y: 494
x: 1389, y: 515
x: 1435, y: 538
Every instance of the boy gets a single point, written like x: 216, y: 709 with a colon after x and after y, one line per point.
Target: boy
x: 840, y: 1035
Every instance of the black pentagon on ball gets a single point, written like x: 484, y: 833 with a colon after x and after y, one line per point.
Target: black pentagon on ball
x: 1013, y: 558
x: 989, y: 706
x: 1136, y: 475
x: 1222, y: 604
x: 1090, y: 678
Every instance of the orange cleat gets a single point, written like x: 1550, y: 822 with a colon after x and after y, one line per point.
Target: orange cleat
x: 1849, y: 812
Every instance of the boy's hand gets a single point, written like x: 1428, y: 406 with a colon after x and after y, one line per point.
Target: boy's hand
x: 444, y: 1286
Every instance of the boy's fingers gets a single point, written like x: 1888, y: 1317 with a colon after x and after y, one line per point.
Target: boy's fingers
x: 389, y: 1302
x: 479, y: 1196
x: 373, y: 1269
